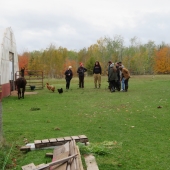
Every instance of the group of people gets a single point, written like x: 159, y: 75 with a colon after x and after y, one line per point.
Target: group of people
x: 118, y: 76
x: 69, y: 74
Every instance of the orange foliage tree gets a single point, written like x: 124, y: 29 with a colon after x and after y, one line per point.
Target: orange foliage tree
x: 23, y: 60
x: 162, y: 60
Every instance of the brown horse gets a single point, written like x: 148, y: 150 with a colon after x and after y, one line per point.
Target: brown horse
x: 20, y: 84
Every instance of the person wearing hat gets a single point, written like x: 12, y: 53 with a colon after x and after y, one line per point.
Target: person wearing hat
x: 68, y: 76
x: 81, y: 70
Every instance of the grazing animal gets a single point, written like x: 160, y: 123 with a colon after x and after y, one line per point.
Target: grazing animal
x: 20, y: 84
x: 50, y: 87
x: 60, y: 90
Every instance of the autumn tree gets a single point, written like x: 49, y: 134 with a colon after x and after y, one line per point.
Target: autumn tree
x: 23, y: 60
x: 162, y: 60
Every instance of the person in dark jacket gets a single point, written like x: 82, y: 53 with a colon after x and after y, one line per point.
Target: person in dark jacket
x: 81, y: 70
x: 112, y: 76
x: 97, y: 71
x: 68, y: 76
x: 118, y: 76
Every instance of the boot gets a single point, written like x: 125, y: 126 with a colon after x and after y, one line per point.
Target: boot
x: 112, y: 89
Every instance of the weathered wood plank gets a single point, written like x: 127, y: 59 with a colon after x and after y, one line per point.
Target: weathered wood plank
x: 80, y: 165
x: 66, y: 145
x: 30, y: 166
x: 76, y: 138
x: 25, y: 148
x: 45, y: 143
x: 91, y: 162
x: 67, y: 139
x: 53, y: 142
x: 38, y: 143
x: 60, y: 141
x: 49, y: 155
x: 83, y: 139
x: 72, y: 161
x: 57, y: 151
x: 57, y: 162
x: 60, y: 166
x: 68, y: 167
x: 42, y: 165
x: 76, y: 158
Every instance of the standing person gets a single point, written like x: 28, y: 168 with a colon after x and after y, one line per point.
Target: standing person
x: 68, y: 76
x: 126, y: 75
x: 81, y: 70
x: 118, y: 76
x: 112, y: 77
x: 122, y: 77
x: 97, y: 71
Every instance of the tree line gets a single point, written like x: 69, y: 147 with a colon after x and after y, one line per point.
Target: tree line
x: 139, y: 58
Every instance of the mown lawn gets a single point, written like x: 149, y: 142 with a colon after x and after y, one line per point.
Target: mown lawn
x: 138, y: 131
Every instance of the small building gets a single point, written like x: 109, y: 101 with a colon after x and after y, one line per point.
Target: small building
x: 8, y: 61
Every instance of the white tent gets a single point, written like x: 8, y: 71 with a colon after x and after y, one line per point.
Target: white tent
x: 8, y: 61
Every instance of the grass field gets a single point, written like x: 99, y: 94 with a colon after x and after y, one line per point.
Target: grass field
x: 126, y: 129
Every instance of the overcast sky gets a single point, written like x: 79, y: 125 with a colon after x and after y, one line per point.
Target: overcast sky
x: 76, y: 24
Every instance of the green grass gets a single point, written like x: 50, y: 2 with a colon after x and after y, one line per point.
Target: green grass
x: 139, y: 131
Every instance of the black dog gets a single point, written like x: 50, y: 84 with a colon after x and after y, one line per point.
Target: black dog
x: 60, y: 90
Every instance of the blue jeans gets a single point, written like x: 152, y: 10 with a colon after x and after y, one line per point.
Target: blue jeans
x: 123, y: 83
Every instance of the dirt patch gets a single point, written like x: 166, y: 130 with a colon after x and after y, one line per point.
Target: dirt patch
x: 15, y: 93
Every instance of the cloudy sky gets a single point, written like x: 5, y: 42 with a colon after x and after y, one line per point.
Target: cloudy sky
x: 76, y: 24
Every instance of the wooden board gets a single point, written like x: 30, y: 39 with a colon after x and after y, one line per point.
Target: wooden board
x: 45, y: 143
x: 83, y: 138
x: 60, y: 141
x: 61, y: 166
x: 53, y: 142
x: 25, y: 148
x: 37, y: 143
x: 39, y: 166
x: 91, y: 162
x: 30, y: 166
x: 67, y: 139
x: 73, y: 165
x: 57, y: 151
x: 49, y: 155
x: 80, y: 165
x: 76, y: 138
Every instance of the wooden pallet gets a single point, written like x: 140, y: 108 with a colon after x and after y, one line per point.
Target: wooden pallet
x: 59, y: 141
x: 55, y: 142
x: 65, y: 157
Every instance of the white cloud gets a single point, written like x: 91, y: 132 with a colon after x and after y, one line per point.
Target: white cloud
x: 76, y: 24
